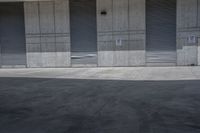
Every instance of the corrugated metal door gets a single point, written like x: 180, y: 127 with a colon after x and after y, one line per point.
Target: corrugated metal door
x: 83, y: 32
x: 161, y: 32
x: 12, y: 35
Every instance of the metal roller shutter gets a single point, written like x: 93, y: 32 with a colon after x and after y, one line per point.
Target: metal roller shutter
x: 83, y: 32
x: 161, y: 32
x: 12, y: 35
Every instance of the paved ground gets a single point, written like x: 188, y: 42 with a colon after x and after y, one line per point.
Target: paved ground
x: 103, y: 102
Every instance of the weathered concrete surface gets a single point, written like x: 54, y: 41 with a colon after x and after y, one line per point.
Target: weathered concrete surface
x: 108, y: 73
x: 44, y: 105
x: 48, y: 40
x: 188, y: 25
x: 47, y: 33
x: 121, y: 32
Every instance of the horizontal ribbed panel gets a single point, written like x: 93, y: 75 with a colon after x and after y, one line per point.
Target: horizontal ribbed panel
x: 161, y: 31
x: 168, y: 57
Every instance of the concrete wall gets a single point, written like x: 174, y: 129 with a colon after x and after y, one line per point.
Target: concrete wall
x: 47, y: 33
x: 188, y: 24
x: 121, y: 32
x: 125, y: 21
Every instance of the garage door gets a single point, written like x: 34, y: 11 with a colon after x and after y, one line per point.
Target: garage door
x: 161, y: 32
x: 12, y: 35
x: 83, y: 32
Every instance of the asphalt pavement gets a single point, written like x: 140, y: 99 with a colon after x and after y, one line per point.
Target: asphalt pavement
x: 49, y: 101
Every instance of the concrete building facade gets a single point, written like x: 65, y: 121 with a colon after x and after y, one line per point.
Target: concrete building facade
x: 120, y: 33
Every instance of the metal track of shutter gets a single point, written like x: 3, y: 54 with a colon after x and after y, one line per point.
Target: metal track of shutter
x: 161, y: 32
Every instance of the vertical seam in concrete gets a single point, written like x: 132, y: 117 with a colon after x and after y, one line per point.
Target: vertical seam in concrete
x: 54, y: 19
x: 97, y: 21
x: 129, y: 32
x: 0, y: 56
x: 97, y: 63
x: 198, y: 13
x: 25, y: 36
x: 184, y: 54
x: 176, y: 32
x: 69, y: 32
x: 197, y: 27
x: 114, y: 46
x: 145, y: 31
x: 39, y: 25
x: 197, y: 52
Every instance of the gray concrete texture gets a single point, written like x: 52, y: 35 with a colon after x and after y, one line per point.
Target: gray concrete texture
x: 112, y: 73
x: 48, y: 33
x: 187, y: 25
x: 31, y: 102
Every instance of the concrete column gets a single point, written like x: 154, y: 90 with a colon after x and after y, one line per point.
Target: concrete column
x: 32, y: 29
x: 62, y: 33
x: 187, y: 26
x: 121, y: 32
x: 105, y: 33
x: 47, y: 29
x: 47, y: 33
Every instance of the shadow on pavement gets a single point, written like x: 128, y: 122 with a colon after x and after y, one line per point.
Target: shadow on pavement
x: 40, y: 105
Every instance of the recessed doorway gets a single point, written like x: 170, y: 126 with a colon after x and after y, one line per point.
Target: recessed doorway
x: 83, y: 32
x: 161, y: 32
x: 12, y: 35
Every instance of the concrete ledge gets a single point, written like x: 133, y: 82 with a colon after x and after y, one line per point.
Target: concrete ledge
x: 117, y: 73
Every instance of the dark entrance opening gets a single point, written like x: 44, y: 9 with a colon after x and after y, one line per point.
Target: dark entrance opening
x: 83, y: 32
x: 12, y: 35
x: 161, y: 32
